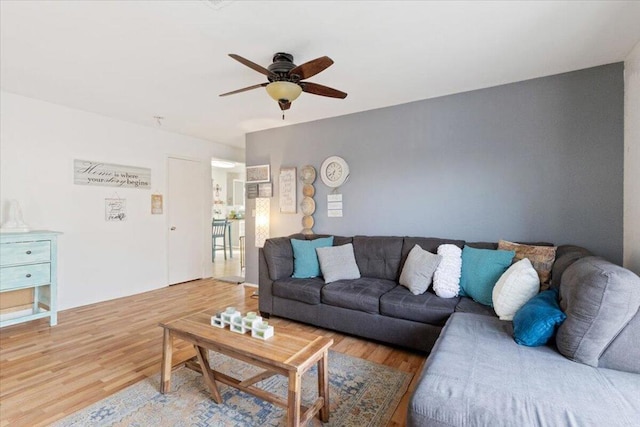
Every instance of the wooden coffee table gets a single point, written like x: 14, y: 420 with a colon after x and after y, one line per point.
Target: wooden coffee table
x: 288, y: 353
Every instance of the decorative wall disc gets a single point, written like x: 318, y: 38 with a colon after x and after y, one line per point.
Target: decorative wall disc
x: 307, y: 221
x: 308, y: 174
x: 308, y: 190
x: 308, y: 206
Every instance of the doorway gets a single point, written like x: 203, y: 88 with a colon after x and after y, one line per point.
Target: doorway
x: 228, y: 203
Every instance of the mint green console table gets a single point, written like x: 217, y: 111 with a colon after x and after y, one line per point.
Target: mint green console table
x: 29, y: 261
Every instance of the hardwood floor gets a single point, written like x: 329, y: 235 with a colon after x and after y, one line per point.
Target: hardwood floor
x: 96, y: 350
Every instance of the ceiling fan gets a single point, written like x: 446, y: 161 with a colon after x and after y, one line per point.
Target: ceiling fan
x: 284, y: 77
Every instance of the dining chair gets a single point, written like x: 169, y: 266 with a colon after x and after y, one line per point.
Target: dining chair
x: 218, y: 230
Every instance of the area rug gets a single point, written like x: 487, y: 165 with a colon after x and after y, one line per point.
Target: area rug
x: 361, y: 393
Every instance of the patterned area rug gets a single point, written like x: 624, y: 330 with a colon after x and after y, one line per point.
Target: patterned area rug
x: 361, y: 394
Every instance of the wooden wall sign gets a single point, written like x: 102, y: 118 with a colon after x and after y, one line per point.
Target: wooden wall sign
x: 86, y: 172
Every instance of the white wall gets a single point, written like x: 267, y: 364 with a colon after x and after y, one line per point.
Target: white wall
x: 98, y: 260
x: 632, y: 160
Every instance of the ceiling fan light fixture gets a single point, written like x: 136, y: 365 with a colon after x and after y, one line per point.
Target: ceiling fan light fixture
x: 284, y: 91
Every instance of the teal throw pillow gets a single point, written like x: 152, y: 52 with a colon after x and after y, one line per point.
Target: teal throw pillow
x: 537, y: 321
x: 305, y: 259
x: 481, y: 269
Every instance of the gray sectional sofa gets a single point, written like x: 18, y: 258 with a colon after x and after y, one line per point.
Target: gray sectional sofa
x: 373, y: 307
x: 476, y: 375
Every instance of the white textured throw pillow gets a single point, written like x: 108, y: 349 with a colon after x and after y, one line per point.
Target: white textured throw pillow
x: 515, y: 287
x: 418, y: 270
x: 338, y: 263
x: 446, y: 279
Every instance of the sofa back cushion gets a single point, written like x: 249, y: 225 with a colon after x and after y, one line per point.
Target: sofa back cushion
x: 599, y: 299
x: 565, y: 256
x: 378, y: 257
x: 278, y: 254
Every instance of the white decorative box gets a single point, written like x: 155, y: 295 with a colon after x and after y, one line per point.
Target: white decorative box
x: 230, y: 314
x: 216, y: 320
x: 237, y: 325
x: 262, y: 331
x: 251, y: 319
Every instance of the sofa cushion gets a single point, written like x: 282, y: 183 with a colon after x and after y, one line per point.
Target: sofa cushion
x: 599, y: 299
x: 360, y: 294
x: 337, y: 240
x: 378, y: 257
x: 425, y: 308
x: 476, y: 375
x: 278, y: 254
x: 536, y: 322
x: 303, y: 290
x: 481, y: 269
x: 467, y: 305
x: 565, y: 256
x: 338, y: 263
x: 446, y: 278
x: 305, y: 259
x: 541, y: 258
x: 515, y: 287
x: 417, y: 272
x: 623, y: 353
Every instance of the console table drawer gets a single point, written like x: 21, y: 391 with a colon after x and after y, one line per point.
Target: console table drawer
x: 25, y: 252
x: 25, y: 275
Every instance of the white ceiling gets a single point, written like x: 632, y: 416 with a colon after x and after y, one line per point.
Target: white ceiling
x: 137, y: 59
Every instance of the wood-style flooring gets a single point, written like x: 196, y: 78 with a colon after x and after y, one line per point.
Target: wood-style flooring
x: 47, y: 373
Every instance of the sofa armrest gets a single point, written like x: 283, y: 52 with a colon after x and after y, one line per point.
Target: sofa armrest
x: 265, y: 296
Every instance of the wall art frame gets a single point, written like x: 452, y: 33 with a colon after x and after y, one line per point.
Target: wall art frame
x: 257, y: 174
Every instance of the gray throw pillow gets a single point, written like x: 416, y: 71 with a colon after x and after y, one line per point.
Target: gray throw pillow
x: 599, y: 299
x: 338, y: 263
x: 418, y: 270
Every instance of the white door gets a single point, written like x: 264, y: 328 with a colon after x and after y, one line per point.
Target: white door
x: 185, y: 210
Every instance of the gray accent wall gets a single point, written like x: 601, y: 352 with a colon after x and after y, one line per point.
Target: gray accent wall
x: 539, y: 160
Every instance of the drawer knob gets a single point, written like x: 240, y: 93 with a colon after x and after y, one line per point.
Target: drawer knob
x: 28, y: 252
x: 28, y: 274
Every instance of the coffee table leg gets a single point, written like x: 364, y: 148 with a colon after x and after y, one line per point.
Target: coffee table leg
x: 207, y: 374
x: 293, y: 410
x: 167, y: 356
x: 323, y: 386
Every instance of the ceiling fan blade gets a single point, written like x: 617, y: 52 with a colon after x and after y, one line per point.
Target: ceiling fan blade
x: 317, y: 89
x: 311, y: 68
x: 252, y: 65
x: 284, y: 105
x: 244, y: 89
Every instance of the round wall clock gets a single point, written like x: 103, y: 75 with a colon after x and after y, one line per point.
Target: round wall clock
x: 334, y: 171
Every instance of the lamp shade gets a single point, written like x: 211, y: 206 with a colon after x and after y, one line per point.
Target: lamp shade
x: 263, y: 210
x: 284, y: 91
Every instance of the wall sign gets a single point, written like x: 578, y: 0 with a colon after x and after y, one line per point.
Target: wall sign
x: 252, y: 191
x: 87, y: 172
x: 115, y: 209
x: 265, y: 189
x: 288, y: 190
x: 260, y: 173
x: 334, y: 205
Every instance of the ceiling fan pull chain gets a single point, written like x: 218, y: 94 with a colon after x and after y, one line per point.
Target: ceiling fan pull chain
x: 283, y: 115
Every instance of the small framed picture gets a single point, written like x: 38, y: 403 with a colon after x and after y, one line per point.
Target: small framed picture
x: 261, y: 173
x: 156, y: 204
x: 265, y: 190
x: 115, y: 209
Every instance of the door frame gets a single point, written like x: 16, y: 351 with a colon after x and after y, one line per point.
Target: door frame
x: 205, y: 224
